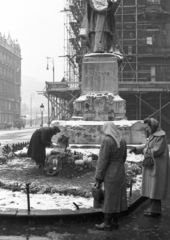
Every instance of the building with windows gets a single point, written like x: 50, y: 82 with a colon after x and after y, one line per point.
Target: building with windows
x: 10, y: 79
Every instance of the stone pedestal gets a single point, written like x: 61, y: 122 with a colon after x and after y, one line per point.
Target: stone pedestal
x: 99, y: 73
x: 100, y: 100
x: 100, y: 107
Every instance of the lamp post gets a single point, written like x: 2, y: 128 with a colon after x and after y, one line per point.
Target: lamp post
x: 32, y: 95
x: 42, y: 110
x: 49, y: 59
x: 53, y: 68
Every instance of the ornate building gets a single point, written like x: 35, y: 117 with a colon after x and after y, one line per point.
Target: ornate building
x: 10, y: 79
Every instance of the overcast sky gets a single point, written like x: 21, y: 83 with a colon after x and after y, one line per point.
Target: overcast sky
x: 39, y: 27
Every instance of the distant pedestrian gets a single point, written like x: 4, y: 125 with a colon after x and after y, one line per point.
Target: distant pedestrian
x: 41, y: 139
x: 111, y: 171
x: 156, y: 167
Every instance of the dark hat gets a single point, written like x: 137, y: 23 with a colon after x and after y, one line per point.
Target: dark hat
x: 98, y: 194
x: 56, y: 129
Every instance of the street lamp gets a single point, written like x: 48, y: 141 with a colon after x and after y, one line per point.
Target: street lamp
x: 42, y: 110
x: 32, y: 95
x: 53, y: 68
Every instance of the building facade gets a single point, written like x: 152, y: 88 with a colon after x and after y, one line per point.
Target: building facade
x: 10, y: 80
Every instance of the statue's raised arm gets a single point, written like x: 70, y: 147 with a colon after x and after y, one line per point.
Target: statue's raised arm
x: 99, y: 26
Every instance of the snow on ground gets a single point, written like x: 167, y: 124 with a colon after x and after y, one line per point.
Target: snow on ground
x: 122, y: 122
x: 9, y: 199
x: 130, y: 157
x: 87, y: 152
x: 137, y: 185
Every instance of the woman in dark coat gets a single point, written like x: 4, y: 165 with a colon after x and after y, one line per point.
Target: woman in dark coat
x: 41, y: 139
x: 111, y: 171
x: 156, y: 174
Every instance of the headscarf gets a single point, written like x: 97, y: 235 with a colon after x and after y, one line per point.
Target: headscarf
x: 55, y: 130
x: 109, y: 128
x: 153, y: 124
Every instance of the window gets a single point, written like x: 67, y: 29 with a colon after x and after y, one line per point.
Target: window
x: 9, y: 106
x: 6, y: 105
x: 129, y: 50
x: 154, y: 1
x: 149, y: 40
x: 153, y: 73
x: 152, y: 29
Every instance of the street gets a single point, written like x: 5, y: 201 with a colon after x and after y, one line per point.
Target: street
x: 15, y: 135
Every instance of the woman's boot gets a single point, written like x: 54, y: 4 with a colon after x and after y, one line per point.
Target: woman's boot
x: 115, y: 220
x: 107, y: 224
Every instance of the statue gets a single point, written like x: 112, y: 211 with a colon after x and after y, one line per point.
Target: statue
x: 98, y: 30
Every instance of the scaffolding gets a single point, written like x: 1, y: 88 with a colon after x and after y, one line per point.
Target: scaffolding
x: 143, y: 31
x: 139, y: 26
x: 74, y: 12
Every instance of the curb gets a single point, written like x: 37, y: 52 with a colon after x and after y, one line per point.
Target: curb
x: 63, y: 216
x: 136, y: 204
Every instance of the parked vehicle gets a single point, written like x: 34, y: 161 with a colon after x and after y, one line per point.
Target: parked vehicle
x: 5, y: 125
x: 19, y: 123
x: 1, y: 125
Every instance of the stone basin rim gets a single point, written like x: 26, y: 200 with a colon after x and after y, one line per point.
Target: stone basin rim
x: 64, y: 214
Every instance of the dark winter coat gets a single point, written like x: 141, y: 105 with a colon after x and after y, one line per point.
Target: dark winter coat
x: 40, y: 139
x: 111, y: 170
x: 156, y: 178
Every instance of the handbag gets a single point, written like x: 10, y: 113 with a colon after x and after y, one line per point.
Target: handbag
x: 148, y: 162
x: 98, y: 194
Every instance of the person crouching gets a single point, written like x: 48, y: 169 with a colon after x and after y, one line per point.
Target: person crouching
x: 41, y: 139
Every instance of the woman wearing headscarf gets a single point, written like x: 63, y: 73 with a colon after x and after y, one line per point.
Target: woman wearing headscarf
x: 156, y: 167
x: 110, y: 170
x: 41, y: 139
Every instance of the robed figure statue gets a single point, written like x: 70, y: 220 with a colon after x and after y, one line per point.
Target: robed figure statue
x: 98, y: 28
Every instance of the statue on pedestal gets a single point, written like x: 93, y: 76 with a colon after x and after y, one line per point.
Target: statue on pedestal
x: 98, y: 29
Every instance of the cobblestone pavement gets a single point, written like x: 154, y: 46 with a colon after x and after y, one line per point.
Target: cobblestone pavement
x: 133, y: 227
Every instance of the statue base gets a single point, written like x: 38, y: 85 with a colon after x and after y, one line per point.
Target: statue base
x: 90, y: 132
x: 100, y: 107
